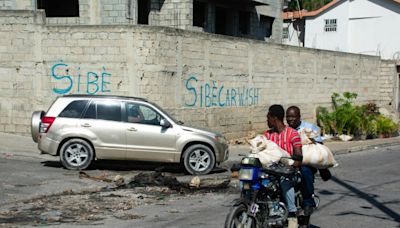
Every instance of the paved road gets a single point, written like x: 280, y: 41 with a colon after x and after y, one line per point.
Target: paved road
x: 363, y: 193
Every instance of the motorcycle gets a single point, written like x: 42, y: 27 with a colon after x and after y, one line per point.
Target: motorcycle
x: 261, y: 203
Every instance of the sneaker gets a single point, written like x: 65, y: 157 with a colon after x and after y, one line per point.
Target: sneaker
x: 292, y: 222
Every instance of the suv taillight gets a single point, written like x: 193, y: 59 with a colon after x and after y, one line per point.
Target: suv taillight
x: 46, y: 123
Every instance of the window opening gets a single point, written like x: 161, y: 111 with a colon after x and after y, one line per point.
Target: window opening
x: 220, y: 21
x: 244, y: 22
x: 267, y: 23
x: 199, y: 14
x: 59, y: 8
x: 285, y: 33
x: 330, y: 25
x: 143, y: 12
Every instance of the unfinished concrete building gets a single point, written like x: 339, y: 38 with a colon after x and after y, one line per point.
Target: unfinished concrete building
x: 254, y: 19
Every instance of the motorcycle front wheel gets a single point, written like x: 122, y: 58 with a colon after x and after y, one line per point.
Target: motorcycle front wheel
x: 238, y: 218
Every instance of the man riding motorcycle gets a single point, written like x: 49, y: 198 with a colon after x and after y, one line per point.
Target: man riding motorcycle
x: 307, y: 172
x: 288, y: 139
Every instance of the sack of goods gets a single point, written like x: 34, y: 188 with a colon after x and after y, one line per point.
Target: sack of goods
x: 268, y: 152
x: 316, y: 154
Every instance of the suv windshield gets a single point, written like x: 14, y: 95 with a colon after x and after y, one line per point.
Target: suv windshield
x: 167, y: 114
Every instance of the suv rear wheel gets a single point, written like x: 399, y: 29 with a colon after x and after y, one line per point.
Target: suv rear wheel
x: 76, y: 154
x: 198, y: 159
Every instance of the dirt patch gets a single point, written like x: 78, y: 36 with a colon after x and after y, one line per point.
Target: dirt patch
x: 114, y: 200
x: 71, y: 207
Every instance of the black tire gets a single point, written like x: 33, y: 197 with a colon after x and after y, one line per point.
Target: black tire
x: 198, y: 159
x: 233, y: 219
x: 76, y: 154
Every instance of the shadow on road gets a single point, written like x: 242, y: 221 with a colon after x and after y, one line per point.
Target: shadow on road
x: 314, y: 226
x: 113, y: 165
x: 369, y: 198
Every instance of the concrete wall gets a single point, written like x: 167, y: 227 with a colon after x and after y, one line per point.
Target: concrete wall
x: 206, y: 80
x: 17, y: 4
x: 176, y: 14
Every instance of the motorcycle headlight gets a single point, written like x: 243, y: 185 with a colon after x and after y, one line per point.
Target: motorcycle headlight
x: 251, y: 161
x: 248, y: 174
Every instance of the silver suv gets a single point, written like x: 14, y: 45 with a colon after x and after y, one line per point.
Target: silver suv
x: 81, y: 128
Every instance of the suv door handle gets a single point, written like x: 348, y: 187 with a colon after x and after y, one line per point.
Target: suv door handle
x: 86, y: 125
x: 132, y: 129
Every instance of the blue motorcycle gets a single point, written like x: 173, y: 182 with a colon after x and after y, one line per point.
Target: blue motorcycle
x: 261, y: 203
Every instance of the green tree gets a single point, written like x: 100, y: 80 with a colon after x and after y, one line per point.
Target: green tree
x: 309, y: 5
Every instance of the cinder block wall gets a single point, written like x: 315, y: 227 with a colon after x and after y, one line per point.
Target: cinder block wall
x: 176, y: 14
x: 206, y: 80
x: 167, y: 13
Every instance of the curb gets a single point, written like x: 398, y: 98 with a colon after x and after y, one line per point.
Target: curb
x: 365, y: 147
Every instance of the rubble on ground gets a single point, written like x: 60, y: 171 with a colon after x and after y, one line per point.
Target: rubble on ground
x: 117, y: 199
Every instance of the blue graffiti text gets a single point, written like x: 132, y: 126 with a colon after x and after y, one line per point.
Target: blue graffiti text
x: 95, y: 81
x: 215, y: 94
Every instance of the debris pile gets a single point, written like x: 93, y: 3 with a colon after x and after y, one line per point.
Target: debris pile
x: 117, y: 199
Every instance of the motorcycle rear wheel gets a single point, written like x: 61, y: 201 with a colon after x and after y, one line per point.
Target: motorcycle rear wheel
x: 238, y: 218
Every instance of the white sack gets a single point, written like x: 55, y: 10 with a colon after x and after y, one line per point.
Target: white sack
x: 315, y: 154
x: 267, y: 151
x: 345, y: 138
x: 318, y: 156
x: 306, y: 134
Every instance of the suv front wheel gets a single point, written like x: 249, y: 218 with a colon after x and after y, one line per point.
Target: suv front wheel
x: 76, y: 154
x: 198, y: 159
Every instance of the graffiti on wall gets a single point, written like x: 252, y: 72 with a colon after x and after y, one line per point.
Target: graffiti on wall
x: 74, y: 78
x: 215, y: 94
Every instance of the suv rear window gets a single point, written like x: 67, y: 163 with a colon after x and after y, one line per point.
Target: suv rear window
x: 74, y: 109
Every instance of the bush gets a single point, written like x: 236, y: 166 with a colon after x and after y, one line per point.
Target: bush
x: 385, y: 126
x: 350, y: 119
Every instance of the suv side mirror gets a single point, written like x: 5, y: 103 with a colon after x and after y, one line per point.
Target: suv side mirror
x: 165, y: 124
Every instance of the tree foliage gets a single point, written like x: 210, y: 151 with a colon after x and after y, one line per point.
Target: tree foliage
x: 309, y: 5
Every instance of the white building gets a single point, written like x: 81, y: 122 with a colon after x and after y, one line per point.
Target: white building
x: 369, y: 27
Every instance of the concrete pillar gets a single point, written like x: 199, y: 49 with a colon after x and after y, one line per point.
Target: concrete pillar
x: 94, y: 12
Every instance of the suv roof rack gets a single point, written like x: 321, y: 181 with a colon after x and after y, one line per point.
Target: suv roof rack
x: 106, y: 96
